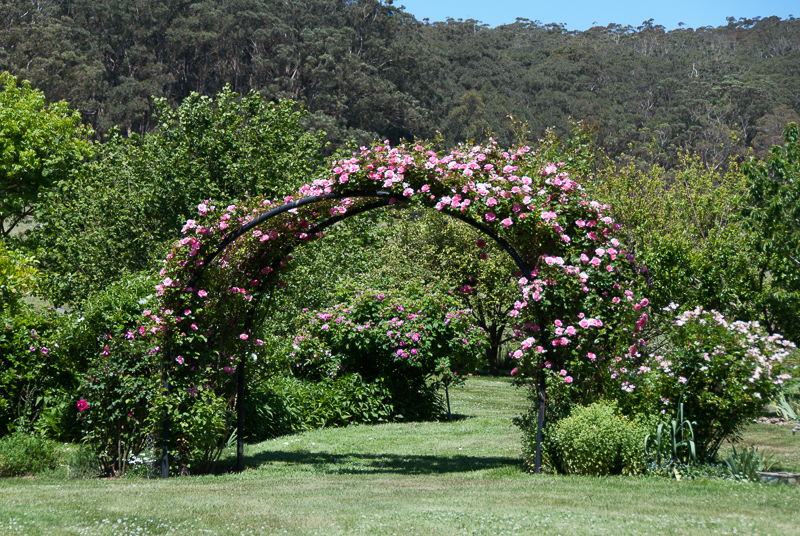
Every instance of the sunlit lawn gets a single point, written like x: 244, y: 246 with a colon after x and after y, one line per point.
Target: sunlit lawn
x: 460, y: 477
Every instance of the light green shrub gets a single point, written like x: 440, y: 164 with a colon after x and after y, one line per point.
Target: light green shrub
x: 22, y: 454
x: 595, y: 440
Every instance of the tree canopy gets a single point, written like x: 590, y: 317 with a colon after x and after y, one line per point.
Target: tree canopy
x: 367, y: 68
x: 40, y: 145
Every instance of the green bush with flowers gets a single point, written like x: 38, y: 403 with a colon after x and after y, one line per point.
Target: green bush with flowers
x: 723, y: 373
x: 413, y: 344
x: 115, y: 386
x: 37, y: 379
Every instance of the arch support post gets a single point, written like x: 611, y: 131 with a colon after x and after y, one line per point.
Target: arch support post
x: 165, y: 428
x: 537, y: 467
x: 240, y: 416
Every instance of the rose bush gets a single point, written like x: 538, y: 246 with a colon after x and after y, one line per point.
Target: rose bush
x: 722, y: 372
x: 413, y: 344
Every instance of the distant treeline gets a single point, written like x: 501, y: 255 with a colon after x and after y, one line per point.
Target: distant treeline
x: 366, y: 69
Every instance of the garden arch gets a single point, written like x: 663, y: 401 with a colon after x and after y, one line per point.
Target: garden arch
x: 530, y: 206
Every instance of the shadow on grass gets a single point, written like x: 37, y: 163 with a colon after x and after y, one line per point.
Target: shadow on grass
x: 455, y: 417
x: 353, y: 464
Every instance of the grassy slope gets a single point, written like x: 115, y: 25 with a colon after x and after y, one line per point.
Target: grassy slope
x: 423, y: 478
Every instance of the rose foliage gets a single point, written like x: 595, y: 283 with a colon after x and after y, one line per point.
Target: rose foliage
x: 722, y: 372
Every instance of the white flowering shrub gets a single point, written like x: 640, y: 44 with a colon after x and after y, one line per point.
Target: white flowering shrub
x: 722, y: 372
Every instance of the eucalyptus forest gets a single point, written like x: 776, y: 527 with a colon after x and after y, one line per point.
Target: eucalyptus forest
x: 365, y: 69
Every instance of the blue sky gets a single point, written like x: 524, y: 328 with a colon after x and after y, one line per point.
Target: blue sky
x: 583, y: 14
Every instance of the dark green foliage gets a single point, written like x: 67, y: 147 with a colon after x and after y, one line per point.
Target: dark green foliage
x: 716, y: 374
x: 367, y: 68
x: 22, y: 454
x: 773, y: 215
x: 285, y: 405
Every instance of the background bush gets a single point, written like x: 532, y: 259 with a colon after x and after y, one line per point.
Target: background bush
x: 286, y: 405
x: 36, y: 375
x: 412, y: 344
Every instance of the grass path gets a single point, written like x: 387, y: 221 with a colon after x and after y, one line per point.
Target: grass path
x: 418, y: 478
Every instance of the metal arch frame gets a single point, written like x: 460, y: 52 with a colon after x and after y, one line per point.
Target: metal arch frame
x: 232, y: 236
x: 386, y: 199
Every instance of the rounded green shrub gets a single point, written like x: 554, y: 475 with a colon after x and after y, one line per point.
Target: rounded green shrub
x: 595, y: 440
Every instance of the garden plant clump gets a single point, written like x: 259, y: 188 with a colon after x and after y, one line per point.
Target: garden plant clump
x: 414, y: 345
x: 596, y: 440
x: 723, y: 373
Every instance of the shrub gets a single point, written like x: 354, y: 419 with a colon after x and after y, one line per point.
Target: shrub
x: 22, y: 454
x: 723, y: 373
x: 595, y: 440
x: 35, y: 374
x: 116, y: 379
x: 413, y: 344
x: 285, y: 405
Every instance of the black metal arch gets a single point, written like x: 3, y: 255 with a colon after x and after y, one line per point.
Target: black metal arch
x: 233, y: 235
x: 385, y: 200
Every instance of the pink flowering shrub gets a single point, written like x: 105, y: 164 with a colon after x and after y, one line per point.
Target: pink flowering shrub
x: 723, y: 373
x: 413, y: 344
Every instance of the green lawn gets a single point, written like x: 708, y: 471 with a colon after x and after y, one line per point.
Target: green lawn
x: 773, y: 440
x: 420, y: 478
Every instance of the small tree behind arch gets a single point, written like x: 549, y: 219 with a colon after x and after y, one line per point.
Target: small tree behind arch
x: 578, y: 315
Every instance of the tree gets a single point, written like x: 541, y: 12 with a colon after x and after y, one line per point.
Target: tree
x: 684, y: 228
x: 773, y: 214
x: 114, y: 216
x: 40, y: 145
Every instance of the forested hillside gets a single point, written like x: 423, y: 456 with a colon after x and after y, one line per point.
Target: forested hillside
x: 367, y: 69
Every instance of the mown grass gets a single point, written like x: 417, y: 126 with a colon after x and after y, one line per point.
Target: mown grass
x: 773, y: 440
x: 445, y: 478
